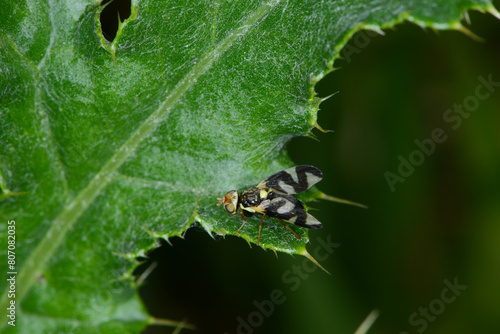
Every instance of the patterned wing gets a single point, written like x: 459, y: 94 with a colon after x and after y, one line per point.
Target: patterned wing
x: 291, y: 210
x: 292, y: 180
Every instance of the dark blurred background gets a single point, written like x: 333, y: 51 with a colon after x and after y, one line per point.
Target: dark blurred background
x: 426, y: 253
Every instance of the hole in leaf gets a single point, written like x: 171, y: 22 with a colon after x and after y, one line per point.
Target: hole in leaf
x: 113, y: 11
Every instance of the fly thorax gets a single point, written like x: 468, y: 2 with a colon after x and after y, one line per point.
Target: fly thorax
x: 250, y: 197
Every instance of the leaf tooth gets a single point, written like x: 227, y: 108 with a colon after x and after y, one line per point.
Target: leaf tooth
x: 492, y: 10
x: 126, y: 276
x: 340, y: 200
x: 375, y: 28
x: 6, y: 192
x: 317, y: 126
x: 167, y: 237
x: 459, y: 27
x: 130, y: 256
x: 170, y: 323
x: 368, y: 322
x: 323, y: 99
x: 155, y: 236
x: 142, y: 278
x: 311, y: 135
x: 313, y: 260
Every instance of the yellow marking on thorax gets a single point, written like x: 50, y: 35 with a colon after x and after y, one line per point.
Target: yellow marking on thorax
x: 263, y: 194
x: 249, y: 209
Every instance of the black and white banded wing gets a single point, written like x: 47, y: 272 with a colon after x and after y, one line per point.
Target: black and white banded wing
x: 290, y: 210
x: 293, y: 180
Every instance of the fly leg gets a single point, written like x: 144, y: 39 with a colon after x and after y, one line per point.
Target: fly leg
x: 244, y: 221
x: 260, y: 227
x: 288, y: 227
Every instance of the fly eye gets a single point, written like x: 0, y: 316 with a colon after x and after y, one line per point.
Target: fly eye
x: 229, y: 207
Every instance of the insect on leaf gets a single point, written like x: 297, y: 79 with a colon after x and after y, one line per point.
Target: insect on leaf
x: 102, y: 148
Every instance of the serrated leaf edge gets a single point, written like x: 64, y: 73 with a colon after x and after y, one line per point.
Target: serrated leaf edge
x: 74, y: 209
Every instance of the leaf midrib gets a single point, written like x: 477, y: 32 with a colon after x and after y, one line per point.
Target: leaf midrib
x: 73, y: 210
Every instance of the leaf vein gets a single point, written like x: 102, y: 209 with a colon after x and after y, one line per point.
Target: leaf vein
x: 74, y: 209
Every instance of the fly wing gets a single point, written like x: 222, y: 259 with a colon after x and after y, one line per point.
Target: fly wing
x: 290, y: 210
x: 292, y: 180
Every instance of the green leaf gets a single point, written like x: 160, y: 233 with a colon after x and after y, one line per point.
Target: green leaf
x: 103, y: 150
